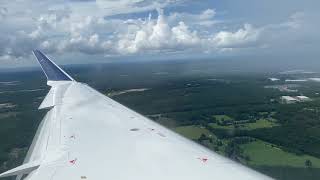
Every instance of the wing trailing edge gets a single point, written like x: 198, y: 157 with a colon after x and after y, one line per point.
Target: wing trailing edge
x: 21, y: 170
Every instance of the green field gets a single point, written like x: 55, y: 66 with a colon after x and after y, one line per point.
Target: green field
x: 216, y: 126
x: 222, y: 118
x: 261, y: 123
x: 192, y: 132
x: 265, y: 154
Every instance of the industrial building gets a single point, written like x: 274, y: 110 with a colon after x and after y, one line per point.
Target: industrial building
x: 303, y: 98
x: 294, y: 99
x: 288, y: 100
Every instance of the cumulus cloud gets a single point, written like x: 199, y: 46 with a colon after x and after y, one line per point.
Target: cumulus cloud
x: 60, y: 31
x: 158, y: 36
x: 244, y: 37
x: 208, y: 14
x: 128, y: 6
x: 205, y: 18
x: 67, y: 29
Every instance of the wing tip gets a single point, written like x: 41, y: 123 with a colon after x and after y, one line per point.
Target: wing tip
x: 52, y: 71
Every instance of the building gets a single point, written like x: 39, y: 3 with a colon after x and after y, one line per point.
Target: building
x: 303, y: 98
x: 294, y: 99
x: 274, y: 79
x: 288, y: 100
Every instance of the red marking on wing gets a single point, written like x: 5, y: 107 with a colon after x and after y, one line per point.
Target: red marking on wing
x: 204, y: 160
x: 73, y: 161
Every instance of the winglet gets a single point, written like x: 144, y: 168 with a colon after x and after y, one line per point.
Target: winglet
x: 50, y: 69
x: 21, y: 170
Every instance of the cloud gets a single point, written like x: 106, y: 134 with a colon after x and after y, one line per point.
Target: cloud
x: 295, y: 20
x: 95, y: 27
x: 205, y: 18
x: 60, y: 31
x: 3, y: 12
x: 116, y: 7
x: 244, y: 37
x: 128, y: 6
x: 208, y: 14
x: 158, y: 36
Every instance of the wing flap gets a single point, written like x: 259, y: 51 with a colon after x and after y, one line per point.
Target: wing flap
x: 48, y: 101
x: 55, y: 95
x: 21, y: 170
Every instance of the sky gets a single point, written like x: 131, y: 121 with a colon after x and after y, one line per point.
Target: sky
x: 89, y: 31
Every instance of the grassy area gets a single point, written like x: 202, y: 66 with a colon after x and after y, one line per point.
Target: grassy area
x: 290, y: 173
x: 215, y: 125
x: 262, y: 123
x: 192, y: 132
x: 264, y: 154
x: 222, y: 118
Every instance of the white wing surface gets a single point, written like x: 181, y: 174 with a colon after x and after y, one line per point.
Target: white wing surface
x: 86, y: 135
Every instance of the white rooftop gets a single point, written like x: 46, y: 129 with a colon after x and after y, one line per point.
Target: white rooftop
x: 274, y: 79
x: 303, y: 97
x: 288, y: 98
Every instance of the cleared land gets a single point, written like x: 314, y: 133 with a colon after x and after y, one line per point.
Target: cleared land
x: 261, y: 123
x: 265, y: 154
x: 222, y: 118
x: 193, y: 132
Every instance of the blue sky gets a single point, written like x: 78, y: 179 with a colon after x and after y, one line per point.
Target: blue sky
x: 84, y: 31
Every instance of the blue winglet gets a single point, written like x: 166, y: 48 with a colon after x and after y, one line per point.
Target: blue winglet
x: 50, y: 69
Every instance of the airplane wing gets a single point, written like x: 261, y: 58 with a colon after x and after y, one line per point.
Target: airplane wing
x: 86, y: 135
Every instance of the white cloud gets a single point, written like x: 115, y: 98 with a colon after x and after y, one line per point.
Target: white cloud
x: 61, y: 30
x: 244, y: 37
x: 205, y: 18
x: 184, y: 36
x: 158, y: 36
x: 295, y: 20
x: 132, y: 6
x: 207, y: 14
x: 84, y: 28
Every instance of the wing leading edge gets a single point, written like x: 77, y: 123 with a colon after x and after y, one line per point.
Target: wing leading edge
x: 86, y: 135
